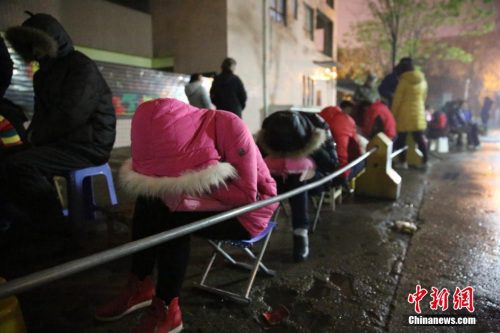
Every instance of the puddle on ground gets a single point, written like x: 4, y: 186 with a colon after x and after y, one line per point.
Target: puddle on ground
x: 344, y: 283
x: 276, y: 296
x: 313, y: 320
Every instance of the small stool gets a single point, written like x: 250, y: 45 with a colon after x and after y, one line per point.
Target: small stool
x: 81, y: 201
x: 253, y: 267
x: 11, y: 318
x: 439, y: 145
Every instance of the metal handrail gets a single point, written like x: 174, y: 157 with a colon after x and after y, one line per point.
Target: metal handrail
x: 72, y: 267
x: 399, y: 151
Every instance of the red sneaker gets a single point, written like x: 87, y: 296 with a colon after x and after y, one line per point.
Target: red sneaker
x: 160, y: 318
x: 136, y: 295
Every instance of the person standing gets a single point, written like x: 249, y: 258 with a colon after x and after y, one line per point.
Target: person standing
x: 485, y: 111
x: 408, y: 107
x: 227, y: 92
x: 196, y: 93
x: 368, y: 91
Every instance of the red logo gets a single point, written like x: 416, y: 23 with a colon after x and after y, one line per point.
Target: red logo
x: 417, y: 297
x: 462, y: 298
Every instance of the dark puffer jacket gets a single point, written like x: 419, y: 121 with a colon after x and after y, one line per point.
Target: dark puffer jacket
x: 292, y: 134
x: 228, y: 93
x: 73, y: 108
x: 6, y: 67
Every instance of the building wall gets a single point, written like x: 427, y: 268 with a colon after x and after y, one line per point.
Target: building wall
x: 92, y: 23
x: 290, y: 56
x: 194, y: 32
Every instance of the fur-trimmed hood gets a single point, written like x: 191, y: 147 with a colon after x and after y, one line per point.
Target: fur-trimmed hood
x: 313, y: 143
x: 40, y: 37
x: 197, y: 160
x: 290, y: 134
x: 191, y: 183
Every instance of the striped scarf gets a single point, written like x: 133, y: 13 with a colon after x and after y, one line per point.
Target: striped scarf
x: 8, y: 134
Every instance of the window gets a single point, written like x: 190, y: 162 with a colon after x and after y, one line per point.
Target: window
x: 295, y: 9
x: 309, y: 21
x: 323, y: 35
x: 330, y: 3
x: 278, y: 11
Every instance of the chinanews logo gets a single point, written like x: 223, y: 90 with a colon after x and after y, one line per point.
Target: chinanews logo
x: 462, y: 299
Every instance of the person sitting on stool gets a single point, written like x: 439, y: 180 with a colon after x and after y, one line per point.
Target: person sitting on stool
x: 298, y: 147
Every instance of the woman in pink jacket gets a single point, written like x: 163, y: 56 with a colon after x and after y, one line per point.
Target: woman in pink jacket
x: 187, y: 164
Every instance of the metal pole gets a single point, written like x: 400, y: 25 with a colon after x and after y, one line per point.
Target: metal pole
x: 399, y: 151
x: 265, y: 42
x: 42, y: 277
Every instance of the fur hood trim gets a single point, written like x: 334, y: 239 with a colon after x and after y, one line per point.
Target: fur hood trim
x: 315, y: 142
x: 193, y: 183
x: 32, y: 44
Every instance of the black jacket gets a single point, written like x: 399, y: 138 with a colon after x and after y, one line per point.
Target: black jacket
x: 228, y: 93
x: 6, y: 67
x: 295, y: 134
x: 73, y: 107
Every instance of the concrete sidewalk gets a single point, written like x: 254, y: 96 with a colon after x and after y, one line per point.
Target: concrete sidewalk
x: 352, y: 281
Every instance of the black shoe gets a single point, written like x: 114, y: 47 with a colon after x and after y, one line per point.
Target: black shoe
x: 300, y: 248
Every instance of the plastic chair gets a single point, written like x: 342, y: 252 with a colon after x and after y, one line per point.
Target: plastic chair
x: 253, y: 267
x: 81, y: 201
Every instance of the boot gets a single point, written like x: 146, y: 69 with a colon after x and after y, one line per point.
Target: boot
x: 136, y: 295
x: 161, y: 319
x: 300, y: 245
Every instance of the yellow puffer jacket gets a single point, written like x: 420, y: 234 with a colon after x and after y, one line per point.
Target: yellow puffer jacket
x: 408, y: 104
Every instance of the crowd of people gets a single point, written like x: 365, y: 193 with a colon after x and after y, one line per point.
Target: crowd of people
x: 194, y: 160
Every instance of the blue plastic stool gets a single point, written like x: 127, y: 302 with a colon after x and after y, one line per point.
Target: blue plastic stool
x: 81, y: 202
x: 253, y: 267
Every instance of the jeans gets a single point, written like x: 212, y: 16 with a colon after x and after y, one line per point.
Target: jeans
x: 298, y: 203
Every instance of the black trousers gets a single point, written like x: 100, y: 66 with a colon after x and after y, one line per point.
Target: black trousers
x: 152, y: 216
x: 418, y: 137
x: 26, y: 182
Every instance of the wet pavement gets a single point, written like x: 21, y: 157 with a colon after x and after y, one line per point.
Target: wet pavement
x: 358, y: 277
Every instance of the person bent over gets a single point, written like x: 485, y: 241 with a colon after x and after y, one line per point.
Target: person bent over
x: 376, y: 118
x: 344, y: 133
x: 298, y: 147
x: 188, y: 164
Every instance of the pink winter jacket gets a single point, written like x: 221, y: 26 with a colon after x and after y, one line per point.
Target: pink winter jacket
x: 197, y: 160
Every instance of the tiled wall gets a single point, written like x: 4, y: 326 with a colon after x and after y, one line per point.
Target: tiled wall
x: 130, y: 87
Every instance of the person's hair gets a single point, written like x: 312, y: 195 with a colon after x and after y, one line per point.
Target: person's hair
x: 363, y: 105
x: 405, y: 65
x: 194, y: 77
x: 345, y: 104
x: 227, y: 64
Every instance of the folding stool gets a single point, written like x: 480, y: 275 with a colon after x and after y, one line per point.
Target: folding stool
x: 335, y: 194
x: 253, y: 267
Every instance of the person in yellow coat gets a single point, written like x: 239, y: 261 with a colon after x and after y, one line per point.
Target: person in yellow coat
x: 408, y: 107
